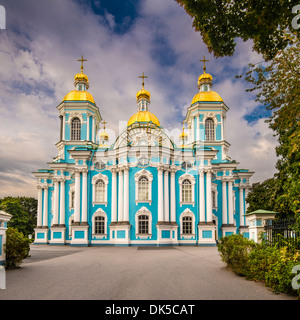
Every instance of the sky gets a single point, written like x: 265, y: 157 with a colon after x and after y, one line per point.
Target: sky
x: 120, y: 39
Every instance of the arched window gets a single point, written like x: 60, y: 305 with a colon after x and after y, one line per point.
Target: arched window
x: 143, y: 189
x: 209, y: 130
x: 76, y: 129
x: 100, y: 191
x: 143, y: 223
x: 186, y: 191
x: 187, y: 225
x: 99, y: 225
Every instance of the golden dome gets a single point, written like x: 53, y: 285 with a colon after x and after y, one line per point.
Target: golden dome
x: 205, y: 77
x: 143, y: 116
x: 104, y: 135
x: 143, y: 94
x: 207, y: 96
x: 76, y: 95
x: 81, y: 77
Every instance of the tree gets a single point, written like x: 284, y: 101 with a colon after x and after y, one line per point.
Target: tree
x: 220, y: 22
x: 23, y: 211
x: 278, y: 88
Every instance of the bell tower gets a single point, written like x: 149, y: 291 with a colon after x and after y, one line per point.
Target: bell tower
x: 79, y: 117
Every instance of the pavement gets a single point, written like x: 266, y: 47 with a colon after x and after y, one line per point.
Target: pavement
x: 129, y: 273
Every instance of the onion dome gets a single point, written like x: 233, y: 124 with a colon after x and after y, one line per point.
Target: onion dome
x: 143, y: 115
x: 81, y: 83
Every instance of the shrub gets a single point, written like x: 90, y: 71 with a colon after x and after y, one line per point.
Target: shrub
x: 234, y: 251
x: 260, y: 262
x: 17, y: 248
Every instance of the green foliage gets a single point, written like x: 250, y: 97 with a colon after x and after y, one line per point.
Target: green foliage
x: 234, y: 250
x: 17, y: 248
x: 260, y: 262
x: 23, y: 211
x: 221, y: 22
x: 277, y: 87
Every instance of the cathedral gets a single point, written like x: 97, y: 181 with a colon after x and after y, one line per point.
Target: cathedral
x: 142, y: 189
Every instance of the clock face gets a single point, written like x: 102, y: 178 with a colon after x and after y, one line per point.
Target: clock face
x: 143, y: 162
x: 186, y: 165
x: 99, y: 166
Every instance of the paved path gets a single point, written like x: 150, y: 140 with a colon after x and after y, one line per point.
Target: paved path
x: 131, y: 273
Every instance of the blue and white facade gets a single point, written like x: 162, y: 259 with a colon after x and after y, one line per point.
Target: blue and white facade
x: 143, y: 189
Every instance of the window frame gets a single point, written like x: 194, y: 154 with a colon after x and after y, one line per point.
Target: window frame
x: 210, y: 131
x: 75, y: 131
x: 143, y: 212
x: 187, y: 213
x: 95, y: 179
x: 149, y: 176
x: 99, y: 213
x: 192, y: 180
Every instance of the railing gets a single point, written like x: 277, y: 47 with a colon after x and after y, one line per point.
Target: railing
x: 281, y: 232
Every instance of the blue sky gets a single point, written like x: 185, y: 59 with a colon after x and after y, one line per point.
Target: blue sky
x: 121, y: 39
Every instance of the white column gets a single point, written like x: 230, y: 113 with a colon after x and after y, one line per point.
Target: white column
x: 173, y: 196
x: 114, y: 195
x: 40, y: 207
x: 166, y: 197
x: 55, y: 208
x: 224, y: 202
x: 45, y: 214
x: 230, y: 202
x: 88, y: 127
x: 160, y: 195
x: 241, y: 207
x: 77, y: 197
x: 62, y: 203
x: 126, y: 194
x: 84, y: 196
x: 120, y: 204
x: 201, y: 196
x: 64, y: 127
x: 208, y: 196
x: 93, y: 128
x: 198, y: 129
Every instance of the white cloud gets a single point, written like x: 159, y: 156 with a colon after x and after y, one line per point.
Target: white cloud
x: 38, y: 66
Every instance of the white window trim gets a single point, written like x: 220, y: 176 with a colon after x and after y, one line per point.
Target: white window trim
x: 192, y: 179
x: 99, y: 213
x: 71, y: 219
x: 143, y: 211
x: 95, y: 179
x: 187, y: 213
x: 214, y: 188
x: 149, y: 176
x: 72, y: 189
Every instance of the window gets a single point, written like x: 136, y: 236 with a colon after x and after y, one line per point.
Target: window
x: 143, y: 224
x: 143, y: 185
x: 186, y: 191
x: 76, y: 129
x: 187, y: 225
x: 143, y: 189
x: 99, y: 225
x: 72, y: 199
x: 99, y: 183
x: 100, y: 191
x: 209, y: 130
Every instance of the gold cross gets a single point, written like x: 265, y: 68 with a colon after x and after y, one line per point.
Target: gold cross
x: 104, y: 123
x: 143, y: 77
x: 82, y: 60
x: 204, y: 60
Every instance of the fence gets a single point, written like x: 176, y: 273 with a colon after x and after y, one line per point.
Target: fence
x: 282, y: 232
